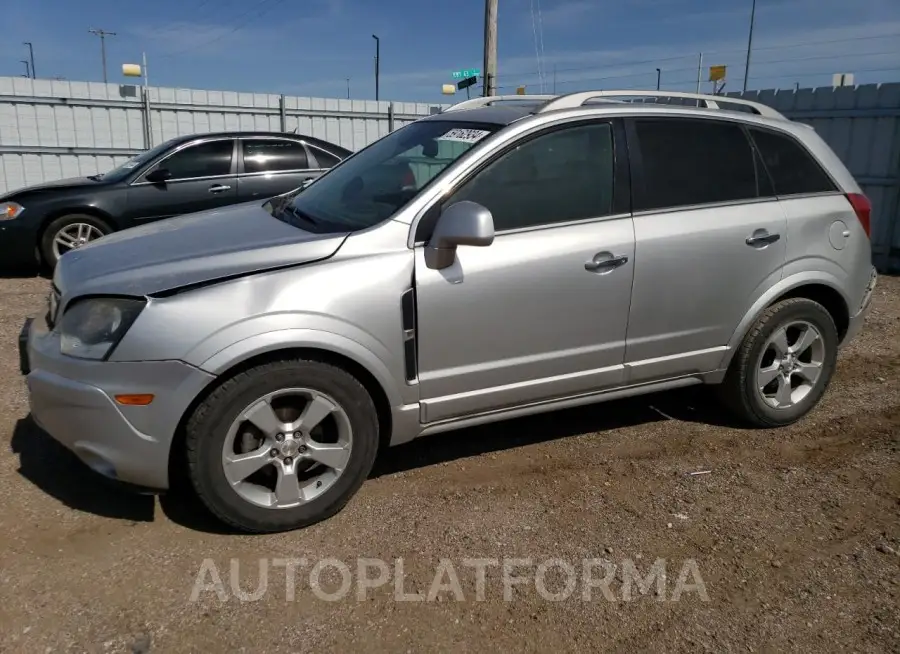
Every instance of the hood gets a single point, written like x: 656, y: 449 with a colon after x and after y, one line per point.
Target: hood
x: 69, y: 182
x: 192, y: 249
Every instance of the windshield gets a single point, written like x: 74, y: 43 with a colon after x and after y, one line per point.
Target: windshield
x: 122, y: 171
x: 378, y: 181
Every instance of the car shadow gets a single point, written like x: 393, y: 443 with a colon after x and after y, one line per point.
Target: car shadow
x: 693, y: 404
x: 29, y: 271
x: 59, y: 473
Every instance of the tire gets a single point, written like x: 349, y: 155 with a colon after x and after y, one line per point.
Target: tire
x: 210, y: 438
x: 740, y: 390
x: 56, y: 227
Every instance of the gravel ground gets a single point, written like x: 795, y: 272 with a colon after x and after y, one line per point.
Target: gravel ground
x: 794, y: 534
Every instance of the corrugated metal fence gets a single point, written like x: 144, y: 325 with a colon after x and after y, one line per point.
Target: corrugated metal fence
x: 55, y: 129
x: 862, y: 126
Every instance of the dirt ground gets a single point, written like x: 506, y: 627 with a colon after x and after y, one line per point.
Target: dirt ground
x: 794, y: 534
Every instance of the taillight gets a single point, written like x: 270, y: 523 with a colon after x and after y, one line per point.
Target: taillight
x: 863, y: 209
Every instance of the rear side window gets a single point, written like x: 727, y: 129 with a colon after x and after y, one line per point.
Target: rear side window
x: 273, y: 155
x: 792, y: 168
x: 690, y: 162
x: 325, y: 159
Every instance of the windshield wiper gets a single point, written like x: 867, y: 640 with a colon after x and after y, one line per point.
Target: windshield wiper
x: 302, y: 215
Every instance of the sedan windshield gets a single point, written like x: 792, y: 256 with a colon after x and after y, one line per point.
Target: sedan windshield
x: 378, y: 181
x: 123, y: 170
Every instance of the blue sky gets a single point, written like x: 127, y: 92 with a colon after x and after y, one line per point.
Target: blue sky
x: 310, y: 47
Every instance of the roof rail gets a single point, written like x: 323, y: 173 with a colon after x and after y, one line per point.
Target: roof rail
x: 474, y: 103
x: 574, y: 100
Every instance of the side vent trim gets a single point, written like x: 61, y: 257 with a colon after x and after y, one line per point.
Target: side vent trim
x: 408, y: 310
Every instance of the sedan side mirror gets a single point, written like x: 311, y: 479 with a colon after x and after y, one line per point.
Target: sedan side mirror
x: 462, y: 223
x: 158, y: 175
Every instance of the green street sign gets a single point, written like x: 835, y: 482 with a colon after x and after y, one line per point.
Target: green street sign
x: 466, y: 72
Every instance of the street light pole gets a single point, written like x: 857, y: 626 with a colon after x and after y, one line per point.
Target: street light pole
x: 102, y: 34
x: 658, y: 77
x: 749, y: 44
x: 377, y: 63
x: 27, y: 70
x: 348, y: 88
x: 31, y: 56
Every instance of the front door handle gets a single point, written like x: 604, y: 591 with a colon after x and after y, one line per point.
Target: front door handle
x: 761, y: 238
x: 604, y: 262
x: 218, y: 188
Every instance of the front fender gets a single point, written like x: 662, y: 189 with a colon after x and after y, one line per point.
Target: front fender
x: 781, y: 288
x: 283, y: 339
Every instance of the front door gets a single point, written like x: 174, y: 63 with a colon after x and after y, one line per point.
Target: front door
x: 709, y: 240
x: 542, y: 312
x: 272, y: 166
x: 202, y: 177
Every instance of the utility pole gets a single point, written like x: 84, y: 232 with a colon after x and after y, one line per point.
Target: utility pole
x: 749, y: 45
x: 490, y: 47
x: 27, y: 70
x: 658, y: 77
x: 377, y: 63
x: 31, y: 56
x: 102, y: 34
x: 348, y: 88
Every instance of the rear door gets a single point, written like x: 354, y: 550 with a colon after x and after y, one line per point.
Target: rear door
x: 272, y: 166
x: 709, y: 240
x: 203, y: 176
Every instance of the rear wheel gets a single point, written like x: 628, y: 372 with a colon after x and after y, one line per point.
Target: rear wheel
x: 68, y: 233
x: 282, y: 446
x: 784, y: 364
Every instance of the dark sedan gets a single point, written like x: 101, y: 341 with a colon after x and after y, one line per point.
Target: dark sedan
x: 182, y: 175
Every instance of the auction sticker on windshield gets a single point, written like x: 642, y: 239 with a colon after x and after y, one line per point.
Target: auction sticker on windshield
x: 464, y: 135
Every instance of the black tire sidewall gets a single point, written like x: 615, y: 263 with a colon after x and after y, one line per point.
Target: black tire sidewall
x: 209, y: 427
x: 790, y: 311
x: 50, y: 232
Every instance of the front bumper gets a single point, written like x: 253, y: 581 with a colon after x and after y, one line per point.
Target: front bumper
x: 859, y: 318
x: 73, y: 401
x: 18, y: 241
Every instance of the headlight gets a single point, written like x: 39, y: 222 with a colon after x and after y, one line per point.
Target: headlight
x: 91, y: 328
x: 10, y: 210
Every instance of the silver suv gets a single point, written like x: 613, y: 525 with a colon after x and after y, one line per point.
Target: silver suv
x: 500, y: 259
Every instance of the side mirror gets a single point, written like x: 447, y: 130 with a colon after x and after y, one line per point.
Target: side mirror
x: 462, y: 223
x: 158, y: 175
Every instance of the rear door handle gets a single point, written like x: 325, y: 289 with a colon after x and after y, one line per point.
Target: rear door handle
x: 218, y: 188
x: 605, y: 262
x: 761, y: 238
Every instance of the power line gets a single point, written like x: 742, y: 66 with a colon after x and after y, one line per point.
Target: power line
x: 259, y: 14
x: 694, y: 54
x: 758, y: 65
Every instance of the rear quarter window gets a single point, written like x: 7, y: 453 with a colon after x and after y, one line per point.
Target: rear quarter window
x: 793, y: 169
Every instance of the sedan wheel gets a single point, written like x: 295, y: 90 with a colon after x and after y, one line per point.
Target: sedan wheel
x: 68, y: 233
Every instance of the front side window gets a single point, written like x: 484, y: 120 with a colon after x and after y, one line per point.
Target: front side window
x: 202, y: 160
x: 273, y: 155
x: 693, y: 162
x: 559, y: 176
x: 381, y: 179
x: 792, y: 168
x: 124, y: 170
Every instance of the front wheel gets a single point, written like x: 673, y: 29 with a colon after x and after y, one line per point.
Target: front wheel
x: 783, y: 365
x: 282, y: 446
x: 69, y: 233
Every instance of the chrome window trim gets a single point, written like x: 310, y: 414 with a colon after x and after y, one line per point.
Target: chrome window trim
x: 198, y: 141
